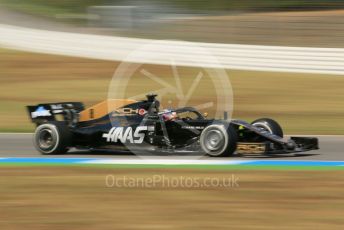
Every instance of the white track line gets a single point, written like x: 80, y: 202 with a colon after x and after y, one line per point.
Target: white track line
x: 230, y: 56
x: 164, y: 162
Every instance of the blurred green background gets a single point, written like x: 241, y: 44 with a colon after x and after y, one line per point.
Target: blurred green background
x: 318, y: 23
x: 51, y: 7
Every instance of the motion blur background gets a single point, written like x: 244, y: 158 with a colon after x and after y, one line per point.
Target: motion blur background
x: 304, y: 103
x: 306, y: 98
x: 271, y: 22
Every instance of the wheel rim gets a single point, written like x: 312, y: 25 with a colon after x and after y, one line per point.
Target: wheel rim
x: 214, y: 140
x: 46, y: 139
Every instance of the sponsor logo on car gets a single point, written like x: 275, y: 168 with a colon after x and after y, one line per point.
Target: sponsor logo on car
x: 41, y: 112
x: 129, y: 112
x: 58, y: 108
x: 192, y: 127
x: 244, y: 148
x: 142, y: 112
x: 126, y: 134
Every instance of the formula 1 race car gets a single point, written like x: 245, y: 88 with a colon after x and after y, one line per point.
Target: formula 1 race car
x: 123, y: 124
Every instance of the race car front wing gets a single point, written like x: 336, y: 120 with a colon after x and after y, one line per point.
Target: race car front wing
x: 292, y: 145
x: 274, y: 144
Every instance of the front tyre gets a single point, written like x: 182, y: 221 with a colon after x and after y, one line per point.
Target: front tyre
x: 52, y: 138
x: 268, y: 125
x: 218, y: 140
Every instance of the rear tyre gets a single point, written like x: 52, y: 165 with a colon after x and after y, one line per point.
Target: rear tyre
x: 218, y: 141
x: 268, y: 125
x: 52, y: 138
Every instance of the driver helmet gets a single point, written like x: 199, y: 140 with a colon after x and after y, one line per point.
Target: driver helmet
x: 169, y: 116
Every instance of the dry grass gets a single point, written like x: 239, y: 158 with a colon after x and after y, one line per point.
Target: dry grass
x: 302, y: 103
x: 77, y: 198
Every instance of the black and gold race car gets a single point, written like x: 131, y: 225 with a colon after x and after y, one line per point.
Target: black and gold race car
x: 122, y: 124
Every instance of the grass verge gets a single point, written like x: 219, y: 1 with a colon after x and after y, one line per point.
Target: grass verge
x: 184, y: 166
x: 40, y: 197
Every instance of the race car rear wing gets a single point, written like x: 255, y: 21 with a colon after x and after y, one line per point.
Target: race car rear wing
x: 69, y: 111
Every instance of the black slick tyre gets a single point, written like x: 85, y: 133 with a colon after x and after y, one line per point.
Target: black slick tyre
x: 268, y: 125
x: 217, y: 140
x: 52, y: 138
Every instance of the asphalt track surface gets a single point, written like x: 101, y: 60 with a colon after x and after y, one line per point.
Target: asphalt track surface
x: 20, y: 145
